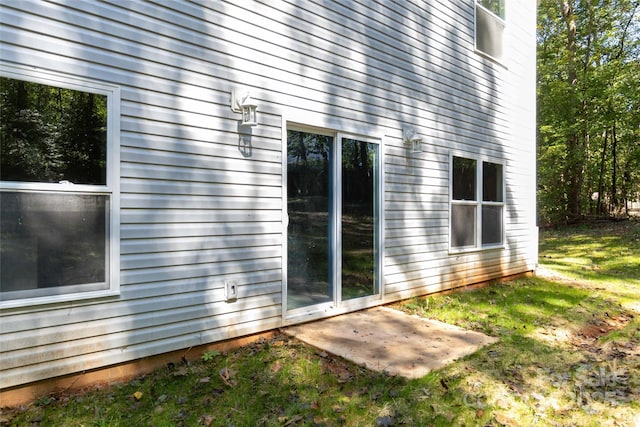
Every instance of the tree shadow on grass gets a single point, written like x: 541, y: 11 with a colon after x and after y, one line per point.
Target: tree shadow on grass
x: 555, y: 358
x: 603, y: 253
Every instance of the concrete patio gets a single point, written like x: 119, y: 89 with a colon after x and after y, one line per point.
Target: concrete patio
x: 390, y: 341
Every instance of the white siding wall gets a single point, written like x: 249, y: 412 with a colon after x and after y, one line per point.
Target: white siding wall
x: 197, y: 210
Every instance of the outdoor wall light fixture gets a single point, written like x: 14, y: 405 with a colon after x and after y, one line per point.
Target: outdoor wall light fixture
x: 413, y: 140
x: 241, y: 102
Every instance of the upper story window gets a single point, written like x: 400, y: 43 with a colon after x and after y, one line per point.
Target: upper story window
x: 477, y: 204
x: 58, y: 188
x: 489, y: 26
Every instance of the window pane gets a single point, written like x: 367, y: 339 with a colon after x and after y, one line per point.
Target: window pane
x: 489, y: 33
x: 51, y: 134
x: 463, y: 226
x: 464, y: 179
x: 491, y: 225
x: 51, y: 242
x: 491, y: 182
x: 495, y: 6
x: 359, y: 218
x: 309, y: 159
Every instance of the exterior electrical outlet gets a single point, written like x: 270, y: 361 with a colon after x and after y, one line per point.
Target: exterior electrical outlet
x: 230, y: 290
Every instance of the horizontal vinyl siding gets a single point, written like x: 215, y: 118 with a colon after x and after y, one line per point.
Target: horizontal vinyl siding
x: 417, y: 259
x: 199, y: 206
x: 196, y: 211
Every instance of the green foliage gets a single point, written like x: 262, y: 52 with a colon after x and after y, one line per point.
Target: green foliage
x: 49, y: 134
x: 588, y: 108
x: 210, y: 355
x: 495, y: 6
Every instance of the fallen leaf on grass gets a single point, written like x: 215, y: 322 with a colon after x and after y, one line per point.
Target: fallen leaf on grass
x: 276, y: 367
x: 182, y: 372
x: 340, y: 370
x: 137, y: 395
x: 290, y: 421
x: 205, y: 420
x: 226, y: 377
x: 504, y: 420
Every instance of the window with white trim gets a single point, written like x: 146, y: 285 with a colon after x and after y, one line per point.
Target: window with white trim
x: 489, y: 27
x: 476, y: 203
x: 59, y: 218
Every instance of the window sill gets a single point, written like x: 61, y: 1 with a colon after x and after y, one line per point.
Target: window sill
x: 498, y: 62
x: 468, y: 250
x: 57, y: 299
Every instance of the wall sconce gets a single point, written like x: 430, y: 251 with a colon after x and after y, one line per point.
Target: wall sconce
x: 413, y: 139
x: 241, y: 102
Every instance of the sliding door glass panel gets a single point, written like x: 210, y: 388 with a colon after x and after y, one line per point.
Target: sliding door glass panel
x: 359, y: 219
x: 309, y: 158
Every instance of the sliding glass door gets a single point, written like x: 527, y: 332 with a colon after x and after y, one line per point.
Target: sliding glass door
x: 309, y: 206
x: 333, y: 209
x: 359, y: 218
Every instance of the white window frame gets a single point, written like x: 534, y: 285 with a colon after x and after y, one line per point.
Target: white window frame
x: 111, y: 189
x: 478, y: 203
x: 499, y: 20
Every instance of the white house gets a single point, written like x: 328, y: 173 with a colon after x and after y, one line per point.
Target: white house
x: 180, y: 173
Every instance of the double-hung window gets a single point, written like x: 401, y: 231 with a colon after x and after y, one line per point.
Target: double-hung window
x: 489, y: 25
x: 476, y: 203
x: 59, y: 225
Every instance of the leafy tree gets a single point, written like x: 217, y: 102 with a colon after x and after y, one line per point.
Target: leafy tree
x: 588, y: 103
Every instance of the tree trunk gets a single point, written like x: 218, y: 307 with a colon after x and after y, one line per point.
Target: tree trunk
x: 599, y: 209
x: 614, y: 167
x: 574, y: 164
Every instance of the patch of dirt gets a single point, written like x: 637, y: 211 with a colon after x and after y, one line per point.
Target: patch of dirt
x: 587, y: 338
x: 549, y: 274
x: 338, y: 368
x: 600, y: 327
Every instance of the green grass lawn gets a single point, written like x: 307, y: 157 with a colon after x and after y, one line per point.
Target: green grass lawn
x: 568, y: 354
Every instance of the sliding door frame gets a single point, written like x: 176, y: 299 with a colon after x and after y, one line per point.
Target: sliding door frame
x: 337, y: 305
